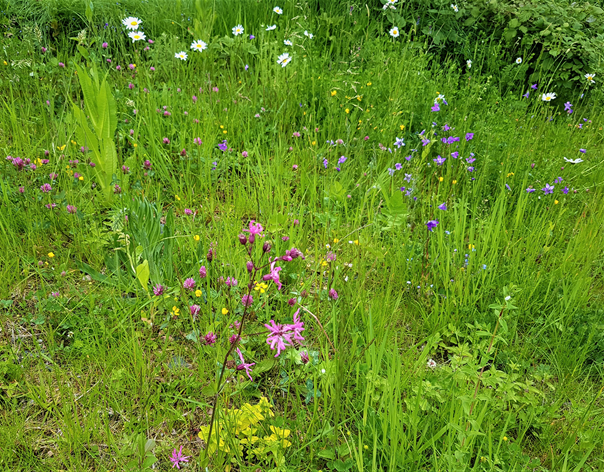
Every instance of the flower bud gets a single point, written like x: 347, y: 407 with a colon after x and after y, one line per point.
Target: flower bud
x: 242, y: 239
x: 266, y: 247
x: 249, y: 266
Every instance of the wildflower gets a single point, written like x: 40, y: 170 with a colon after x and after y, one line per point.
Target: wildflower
x: 210, y: 338
x: 223, y: 146
x: 274, y: 275
x: 529, y: 190
x: 548, y: 97
x: 278, y: 10
x: 244, y: 365
x: 439, y: 160
x: 582, y: 150
x: 519, y: 60
x: 166, y: 141
x: 287, y: 42
x: 55, y: 294
x: 442, y: 207
x: 182, y: 56
x: 233, y: 339
x: 46, y: 188
x: 189, y: 283
x: 175, y: 311
x: 197, y: 141
x: 332, y: 294
x: 556, y: 201
x: 470, y: 169
x: 251, y: 36
x: 548, y: 189
x: 394, y: 32
x: 431, y: 363
x: 568, y: 106
x: 237, y: 30
x: 469, y: 63
x: 284, y: 59
x: 565, y: 190
x: 526, y: 95
x: 51, y: 255
x: 194, y: 309
x: 304, y: 357
x: 307, y: 34
x: 399, y: 142
x: 158, y: 290
x: 131, y: 23
x: 469, y: 136
x: 271, y: 28
x: 247, y: 300
x: 71, y: 209
x: 231, y: 282
x: 431, y: 224
x: 178, y: 457
x: 590, y: 78
x: 224, y: 311
x: 135, y: 36
x: 261, y: 287
x: 454, y: 7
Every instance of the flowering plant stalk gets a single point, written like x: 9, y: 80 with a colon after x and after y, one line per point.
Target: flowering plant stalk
x: 278, y: 334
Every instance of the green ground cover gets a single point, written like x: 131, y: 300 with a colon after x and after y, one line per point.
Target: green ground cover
x: 421, y: 204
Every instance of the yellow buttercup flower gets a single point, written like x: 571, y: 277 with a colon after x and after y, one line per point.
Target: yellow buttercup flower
x: 73, y: 142
x: 135, y: 145
x: 347, y: 110
x: 196, y: 238
x: 225, y: 311
x: 336, y: 240
x: 61, y: 148
x: 198, y: 293
x: 401, y: 127
x: 556, y: 202
x: 81, y: 178
x: 261, y: 287
x: 369, y: 84
x: 51, y: 255
x: 177, y: 197
x: 454, y: 181
x: 313, y: 143
x: 441, y: 179
x: 333, y: 93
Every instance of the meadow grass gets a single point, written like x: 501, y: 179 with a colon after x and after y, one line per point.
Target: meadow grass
x: 476, y: 345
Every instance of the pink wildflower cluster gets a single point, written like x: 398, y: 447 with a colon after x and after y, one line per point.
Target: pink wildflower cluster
x: 280, y: 336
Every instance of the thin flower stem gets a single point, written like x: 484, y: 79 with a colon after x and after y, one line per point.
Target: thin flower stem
x: 227, y: 355
x: 321, y: 326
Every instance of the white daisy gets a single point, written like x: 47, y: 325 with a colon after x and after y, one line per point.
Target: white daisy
x: 391, y: 2
x: 278, y: 10
x: 455, y: 7
x: 182, y: 55
x: 574, y: 161
x: 287, y: 42
x: 469, y: 63
x: 199, y: 45
x: 237, y: 30
x: 271, y: 28
x: 136, y: 36
x: 308, y: 35
x: 548, y: 97
x: 284, y: 59
x: 394, y: 32
x: 131, y: 23
x: 519, y: 60
x: 590, y: 78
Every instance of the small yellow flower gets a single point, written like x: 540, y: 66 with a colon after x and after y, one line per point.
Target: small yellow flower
x: 81, y: 178
x: 224, y: 132
x: 510, y: 174
x: 359, y: 98
x: 365, y: 447
x: 347, y: 110
x: 225, y: 311
x: 441, y: 179
x: 471, y: 247
x: 73, y: 142
x: 175, y: 310
x: 454, y: 181
x: 51, y: 255
x: 5, y: 63
x: 356, y: 242
x: 198, y: 293
x: 505, y: 439
x: 196, y: 238
x: 556, y: 202
x: 324, y: 263
x: 401, y: 127
x: 134, y: 65
x: 333, y: 93
x: 261, y: 287
x: 369, y: 84
x: 313, y: 143
x: 61, y: 148
x: 135, y: 145
x: 221, y: 127
x: 177, y: 197
x: 336, y: 240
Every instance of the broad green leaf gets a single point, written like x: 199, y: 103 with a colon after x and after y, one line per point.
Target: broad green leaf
x: 143, y: 274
